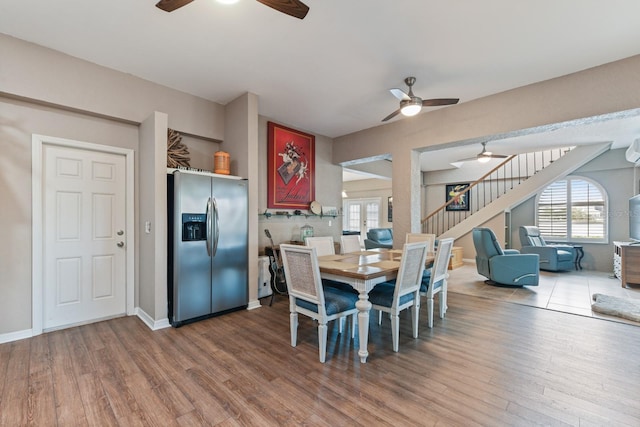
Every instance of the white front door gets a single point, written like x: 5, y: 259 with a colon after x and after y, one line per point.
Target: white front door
x: 84, y: 251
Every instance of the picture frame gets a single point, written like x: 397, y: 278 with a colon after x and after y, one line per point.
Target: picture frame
x: 390, y: 209
x: 290, y: 169
x: 461, y: 202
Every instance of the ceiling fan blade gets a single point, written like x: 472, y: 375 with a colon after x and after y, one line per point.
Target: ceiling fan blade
x: 171, y: 5
x: 294, y: 8
x: 498, y: 156
x: 399, y: 94
x: 392, y: 115
x: 439, y: 101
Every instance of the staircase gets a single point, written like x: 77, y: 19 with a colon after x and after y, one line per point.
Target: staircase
x: 507, y: 185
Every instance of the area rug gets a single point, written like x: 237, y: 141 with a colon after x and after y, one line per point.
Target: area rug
x: 615, y: 306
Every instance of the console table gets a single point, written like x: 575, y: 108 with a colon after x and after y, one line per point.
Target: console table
x: 626, y: 263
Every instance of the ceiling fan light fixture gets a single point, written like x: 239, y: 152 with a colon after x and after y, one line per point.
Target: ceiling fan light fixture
x: 411, y: 108
x: 484, y: 159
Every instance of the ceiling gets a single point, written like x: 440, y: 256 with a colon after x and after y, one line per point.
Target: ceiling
x: 330, y: 73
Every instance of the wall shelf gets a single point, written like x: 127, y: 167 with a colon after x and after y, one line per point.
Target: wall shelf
x: 280, y: 214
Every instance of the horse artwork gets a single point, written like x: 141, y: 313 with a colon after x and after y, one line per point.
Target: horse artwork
x: 457, y: 198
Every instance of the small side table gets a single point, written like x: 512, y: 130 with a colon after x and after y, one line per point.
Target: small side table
x: 579, y: 256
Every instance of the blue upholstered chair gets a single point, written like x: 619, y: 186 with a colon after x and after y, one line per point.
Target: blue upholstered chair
x: 552, y: 257
x: 308, y: 296
x: 379, y: 238
x: 506, y: 267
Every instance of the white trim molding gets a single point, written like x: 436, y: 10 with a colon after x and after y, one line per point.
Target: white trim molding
x: 154, y: 325
x: 15, y: 336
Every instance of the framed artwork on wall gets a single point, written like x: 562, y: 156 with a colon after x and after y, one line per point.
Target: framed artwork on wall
x: 461, y: 201
x: 290, y: 168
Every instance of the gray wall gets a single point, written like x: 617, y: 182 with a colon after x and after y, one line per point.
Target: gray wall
x: 618, y: 178
x: 595, y: 93
x: 611, y: 170
x: 106, y: 107
x: 49, y: 93
x: 328, y: 192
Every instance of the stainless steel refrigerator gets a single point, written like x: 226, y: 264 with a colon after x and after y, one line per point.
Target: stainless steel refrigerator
x: 208, y: 259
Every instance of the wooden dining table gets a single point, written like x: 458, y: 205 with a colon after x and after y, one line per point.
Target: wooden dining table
x: 363, y: 271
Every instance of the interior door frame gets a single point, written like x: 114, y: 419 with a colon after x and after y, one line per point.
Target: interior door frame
x: 37, y: 238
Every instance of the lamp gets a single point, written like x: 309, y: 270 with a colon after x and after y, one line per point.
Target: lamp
x: 411, y: 107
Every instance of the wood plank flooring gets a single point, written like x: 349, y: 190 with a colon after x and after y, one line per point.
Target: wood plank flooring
x: 489, y: 363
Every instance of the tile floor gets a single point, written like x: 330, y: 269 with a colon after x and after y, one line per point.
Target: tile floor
x: 568, y: 291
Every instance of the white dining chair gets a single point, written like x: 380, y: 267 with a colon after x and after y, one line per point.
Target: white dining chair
x: 392, y: 297
x: 350, y: 243
x: 308, y: 296
x: 437, y: 283
x: 324, y: 245
x: 422, y: 237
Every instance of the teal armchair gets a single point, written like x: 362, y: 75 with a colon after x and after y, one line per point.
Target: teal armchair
x: 379, y: 238
x: 506, y: 267
x: 553, y: 257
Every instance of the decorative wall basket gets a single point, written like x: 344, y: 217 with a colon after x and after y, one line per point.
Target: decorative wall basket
x: 177, y: 152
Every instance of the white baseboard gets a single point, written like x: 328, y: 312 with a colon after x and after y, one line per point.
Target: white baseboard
x: 154, y: 325
x: 254, y: 304
x: 15, y: 336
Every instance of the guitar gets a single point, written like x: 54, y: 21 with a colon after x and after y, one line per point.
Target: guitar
x: 278, y: 282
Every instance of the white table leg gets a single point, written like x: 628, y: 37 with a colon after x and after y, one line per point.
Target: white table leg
x: 364, y: 307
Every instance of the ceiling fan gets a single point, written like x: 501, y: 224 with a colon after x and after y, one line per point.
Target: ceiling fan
x: 410, y: 105
x: 484, y: 155
x: 294, y: 8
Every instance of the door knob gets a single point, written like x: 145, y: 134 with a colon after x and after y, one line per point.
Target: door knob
x: 120, y: 244
x: 120, y: 233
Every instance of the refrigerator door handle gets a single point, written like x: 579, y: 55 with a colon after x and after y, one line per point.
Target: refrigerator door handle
x: 208, y: 222
x: 217, y: 228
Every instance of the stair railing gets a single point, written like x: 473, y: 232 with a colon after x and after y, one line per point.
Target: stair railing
x: 514, y: 170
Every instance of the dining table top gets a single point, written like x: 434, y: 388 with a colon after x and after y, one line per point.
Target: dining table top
x: 365, y: 265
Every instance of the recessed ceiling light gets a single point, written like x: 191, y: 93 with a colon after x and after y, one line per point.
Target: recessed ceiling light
x: 227, y: 1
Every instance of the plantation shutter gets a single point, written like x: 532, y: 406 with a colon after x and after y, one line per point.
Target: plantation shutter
x: 587, y: 208
x: 552, y: 211
x: 572, y: 209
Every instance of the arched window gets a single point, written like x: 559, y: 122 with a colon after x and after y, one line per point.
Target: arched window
x: 573, y: 210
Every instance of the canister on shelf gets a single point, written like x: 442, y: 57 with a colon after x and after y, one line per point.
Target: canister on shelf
x: 306, y: 231
x: 221, y: 162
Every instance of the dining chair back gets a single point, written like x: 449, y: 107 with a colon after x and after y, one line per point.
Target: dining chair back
x: 324, y: 245
x: 350, y: 243
x: 392, y: 297
x: 309, y: 297
x: 423, y: 237
x: 438, y: 281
